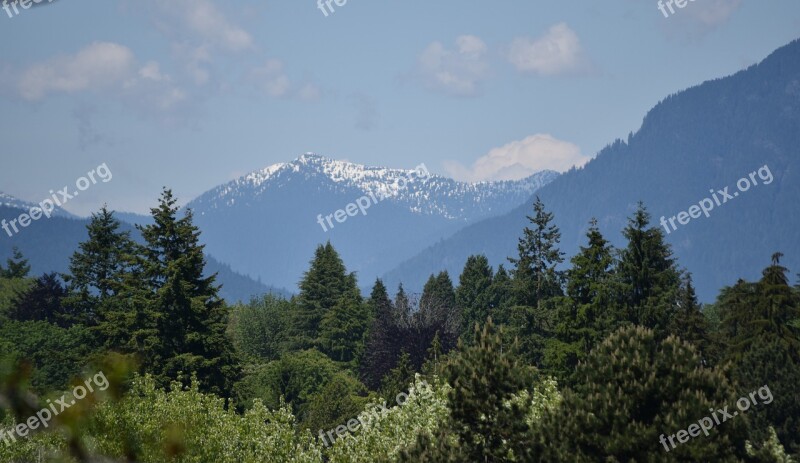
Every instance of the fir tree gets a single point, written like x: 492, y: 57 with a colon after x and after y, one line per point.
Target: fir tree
x: 473, y: 295
x: 322, y: 286
x: 383, y: 341
x: 649, y: 278
x: 688, y: 321
x: 97, y: 269
x: 16, y: 267
x: 42, y: 302
x: 343, y: 327
x: 190, y: 317
x: 535, y: 274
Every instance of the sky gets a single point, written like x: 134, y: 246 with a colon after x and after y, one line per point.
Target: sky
x: 191, y: 94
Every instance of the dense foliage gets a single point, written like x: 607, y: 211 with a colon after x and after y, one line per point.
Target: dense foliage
x: 592, y: 360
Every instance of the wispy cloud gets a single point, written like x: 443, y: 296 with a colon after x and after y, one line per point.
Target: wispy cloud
x: 103, y: 68
x: 457, y: 71
x: 558, y: 51
x: 99, y: 65
x: 271, y: 79
x: 207, y: 23
x: 520, y: 159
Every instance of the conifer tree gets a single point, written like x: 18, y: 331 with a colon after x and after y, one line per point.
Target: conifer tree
x: 322, y: 286
x: 688, y: 321
x: 383, y: 341
x: 189, y: 315
x: 535, y: 274
x: 501, y: 294
x: 343, y: 327
x: 16, y: 267
x: 473, y: 295
x: 486, y: 424
x: 97, y: 269
x: 647, y: 273
x: 632, y: 394
x: 588, y: 313
x: 42, y: 302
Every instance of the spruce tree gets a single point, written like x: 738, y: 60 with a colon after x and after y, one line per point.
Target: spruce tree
x: 344, y: 326
x: 383, y: 341
x: 535, y: 275
x: 97, y: 269
x: 191, y: 318
x: 688, y: 321
x: 588, y: 313
x: 322, y: 286
x: 473, y: 295
x: 42, y: 302
x: 649, y: 278
x: 16, y: 267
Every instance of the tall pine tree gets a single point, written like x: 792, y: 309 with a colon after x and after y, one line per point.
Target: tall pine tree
x: 649, y: 278
x: 535, y: 276
x: 189, y: 315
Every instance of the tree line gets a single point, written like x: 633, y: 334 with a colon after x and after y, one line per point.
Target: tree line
x: 537, y: 360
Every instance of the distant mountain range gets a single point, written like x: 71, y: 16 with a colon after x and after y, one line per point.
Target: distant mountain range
x: 265, y: 224
x: 705, y: 138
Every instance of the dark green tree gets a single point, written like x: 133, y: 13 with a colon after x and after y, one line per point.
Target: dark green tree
x: 535, y: 276
x: 383, y: 341
x: 42, y: 302
x: 588, y: 314
x: 322, y: 287
x: 635, y: 393
x: 191, y: 318
x: 473, y: 295
x: 688, y: 321
x: 16, y: 267
x: 649, y: 279
x: 97, y: 269
x: 344, y: 326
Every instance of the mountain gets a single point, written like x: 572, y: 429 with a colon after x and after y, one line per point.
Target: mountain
x: 49, y: 243
x: 268, y: 223
x: 10, y: 201
x: 691, y: 144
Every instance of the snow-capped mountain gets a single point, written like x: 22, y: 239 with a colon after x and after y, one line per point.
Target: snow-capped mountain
x: 434, y: 195
x: 265, y: 224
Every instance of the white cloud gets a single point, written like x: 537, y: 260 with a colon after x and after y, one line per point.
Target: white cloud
x: 457, y: 72
x: 558, y: 51
x: 99, y: 65
x: 209, y: 23
x: 520, y: 159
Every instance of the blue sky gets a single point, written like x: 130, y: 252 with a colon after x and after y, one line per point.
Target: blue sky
x: 193, y: 93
